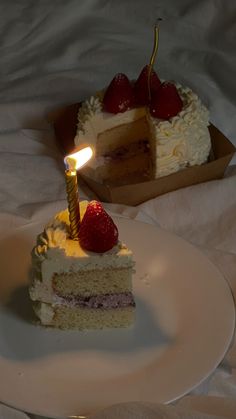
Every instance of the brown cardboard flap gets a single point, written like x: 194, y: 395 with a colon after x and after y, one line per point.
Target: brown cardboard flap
x: 65, y: 123
x: 135, y: 194
x: 221, y: 145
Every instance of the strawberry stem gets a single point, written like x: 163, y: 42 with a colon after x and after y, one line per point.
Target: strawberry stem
x: 153, y: 56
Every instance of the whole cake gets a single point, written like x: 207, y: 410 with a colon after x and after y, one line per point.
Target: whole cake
x: 84, y: 284
x: 143, y: 127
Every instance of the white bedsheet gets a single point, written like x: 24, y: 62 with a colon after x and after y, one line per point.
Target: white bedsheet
x: 56, y: 53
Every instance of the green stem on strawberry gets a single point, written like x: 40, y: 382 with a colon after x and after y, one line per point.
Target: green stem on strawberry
x: 153, y: 56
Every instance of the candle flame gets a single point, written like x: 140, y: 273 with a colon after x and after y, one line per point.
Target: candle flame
x: 78, y: 159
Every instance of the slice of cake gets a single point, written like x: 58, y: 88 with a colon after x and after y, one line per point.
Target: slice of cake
x: 134, y: 135
x: 85, y: 284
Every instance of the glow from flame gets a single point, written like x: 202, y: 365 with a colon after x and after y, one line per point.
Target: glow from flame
x: 78, y: 159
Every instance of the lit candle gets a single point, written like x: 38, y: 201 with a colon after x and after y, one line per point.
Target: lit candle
x: 74, y: 162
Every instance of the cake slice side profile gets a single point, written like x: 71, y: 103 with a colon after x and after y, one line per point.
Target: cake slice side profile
x: 75, y: 288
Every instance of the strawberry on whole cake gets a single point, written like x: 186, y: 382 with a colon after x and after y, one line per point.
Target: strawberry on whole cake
x: 146, y: 127
x: 84, y: 284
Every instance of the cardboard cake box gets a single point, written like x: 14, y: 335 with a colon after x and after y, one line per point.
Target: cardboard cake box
x: 65, y: 123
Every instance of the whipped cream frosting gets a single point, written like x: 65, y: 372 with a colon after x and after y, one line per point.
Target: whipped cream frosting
x: 45, y: 312
x: 182, y: 141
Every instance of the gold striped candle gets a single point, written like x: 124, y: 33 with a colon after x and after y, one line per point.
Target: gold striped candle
x: 74, y: 162
x: 73, y: 202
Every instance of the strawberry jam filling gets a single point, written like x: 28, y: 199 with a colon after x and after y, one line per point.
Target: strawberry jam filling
x: 106, y: 301
x: 125, y: 152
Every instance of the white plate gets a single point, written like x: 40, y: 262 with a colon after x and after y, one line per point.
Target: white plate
x: 185, y: 322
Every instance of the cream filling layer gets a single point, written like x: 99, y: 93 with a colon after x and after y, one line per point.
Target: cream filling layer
x: 106, y: 301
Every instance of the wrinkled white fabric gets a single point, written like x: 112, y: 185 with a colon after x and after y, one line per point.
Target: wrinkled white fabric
x: 56, y: 53
x: 190, y: 408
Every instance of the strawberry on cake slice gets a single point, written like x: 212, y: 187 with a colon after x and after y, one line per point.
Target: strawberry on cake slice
x: 85, y: 284
x: 146, y: 128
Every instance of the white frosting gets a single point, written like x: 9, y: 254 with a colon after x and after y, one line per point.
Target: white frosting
x: 55, y: 252
x: 92, y: 120
x: 44, y: 312
x: 183, y: 140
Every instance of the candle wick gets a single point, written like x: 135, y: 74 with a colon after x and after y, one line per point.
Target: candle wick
x: 153, y: 56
